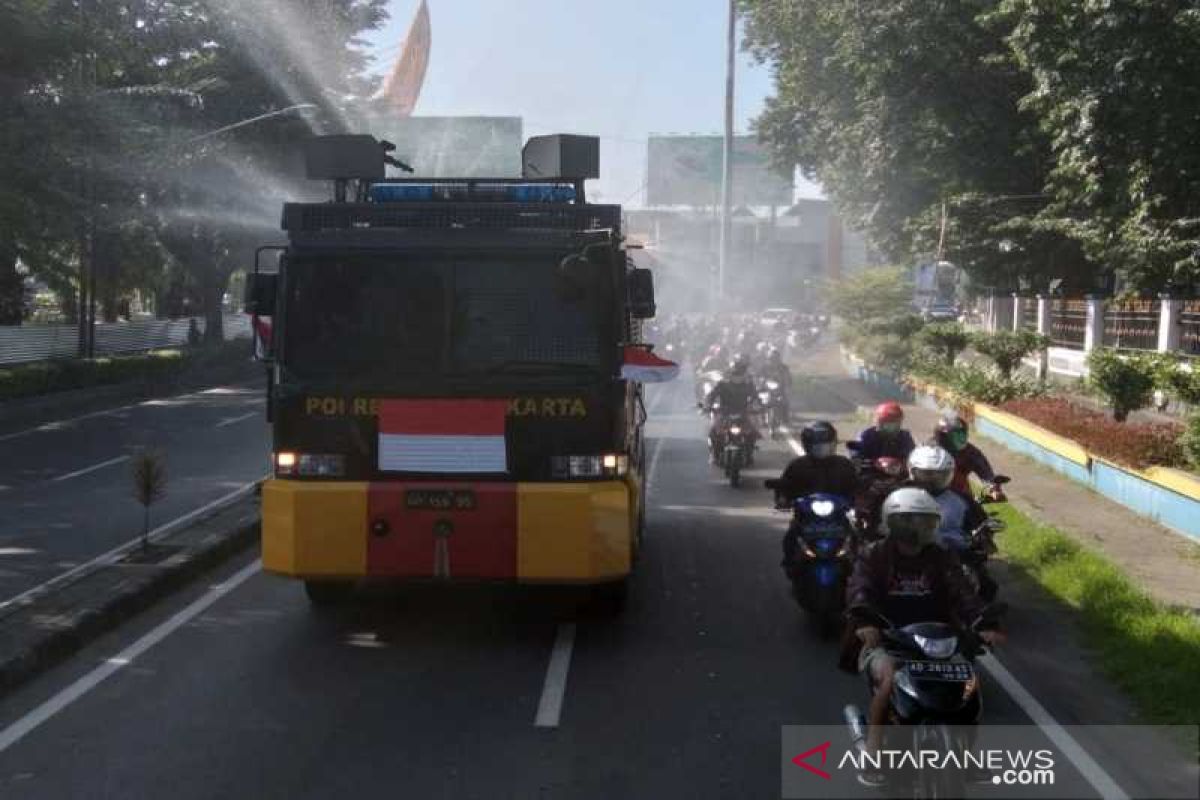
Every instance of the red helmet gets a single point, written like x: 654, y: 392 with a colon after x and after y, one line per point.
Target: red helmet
x: 888, y: 412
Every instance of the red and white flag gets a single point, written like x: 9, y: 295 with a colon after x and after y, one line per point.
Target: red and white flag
x: 643, y: 366
x: 443, y: 436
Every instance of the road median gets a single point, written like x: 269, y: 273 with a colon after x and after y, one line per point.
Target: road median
x: 43, y: 626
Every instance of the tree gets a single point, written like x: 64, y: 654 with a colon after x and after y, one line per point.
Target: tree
x: 1115, y: 87
x: 1127, y: 381
x: 945, y: 339
x: 1007, y: 349
x: 904, y: 107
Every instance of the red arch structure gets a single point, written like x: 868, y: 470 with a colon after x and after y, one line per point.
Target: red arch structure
x: 402, y: 88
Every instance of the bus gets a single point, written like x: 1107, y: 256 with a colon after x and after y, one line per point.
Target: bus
x: 446, y: 387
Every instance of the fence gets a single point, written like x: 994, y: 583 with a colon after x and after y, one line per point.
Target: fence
x: 1068, y: 323
x: 24, y: 343
x: 1029, y: 315
x: 1132, y: 324
x: 1189, y: 324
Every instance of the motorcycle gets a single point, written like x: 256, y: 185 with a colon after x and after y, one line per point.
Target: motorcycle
x: 733, y: 451
x: 773, y: 399
x: 825, y: 548
x: 706, y: 381
x: 980, y: 546
x: 935, y: 697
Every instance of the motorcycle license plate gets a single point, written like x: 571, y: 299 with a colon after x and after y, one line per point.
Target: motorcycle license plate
x: 939, y: 670
x: 440, y: 500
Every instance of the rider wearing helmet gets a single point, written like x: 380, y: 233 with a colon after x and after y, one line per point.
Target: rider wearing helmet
x: 905, y: 578
x: 775, y: 370
x: 735, y: 396
x: 887, y: 436
x: 932, y: 469
x: 819, y: 471
x: 952, y: 434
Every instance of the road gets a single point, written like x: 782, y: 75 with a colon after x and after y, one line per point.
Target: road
x: 237, y: 689
x: 66, y: 490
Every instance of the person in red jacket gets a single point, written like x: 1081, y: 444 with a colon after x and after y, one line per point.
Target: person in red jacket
x: 952, y: 435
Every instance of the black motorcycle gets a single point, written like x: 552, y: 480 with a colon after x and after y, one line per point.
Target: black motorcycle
x: 825, y: 545
x: 935, y: 697
x: 980, y: 546
x: 772, y: 396
x: 734, y: 451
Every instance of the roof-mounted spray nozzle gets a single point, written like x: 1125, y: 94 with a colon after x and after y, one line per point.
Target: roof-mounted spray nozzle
x: 349, y: 157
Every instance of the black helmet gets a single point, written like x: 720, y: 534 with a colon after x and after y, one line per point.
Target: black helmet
x: 741, y: 365
x: 952, y: 432
x: 819, y: 439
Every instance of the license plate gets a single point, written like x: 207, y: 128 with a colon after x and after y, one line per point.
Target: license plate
x: 440, y: 500
x: 939, y: 670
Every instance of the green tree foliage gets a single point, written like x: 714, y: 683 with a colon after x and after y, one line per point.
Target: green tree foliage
x: 875, y: 317
x: 1007, y: 349
x: 1126, y: 381
x: 945, y: 339
x: 898, y: 107
x: 1115, y: 87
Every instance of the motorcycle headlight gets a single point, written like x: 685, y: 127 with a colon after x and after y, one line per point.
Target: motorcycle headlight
x: 735, y: 430
x: 764, y: 396
x: 822, y: 508
x: 772, y: 385
x: 937, y: 648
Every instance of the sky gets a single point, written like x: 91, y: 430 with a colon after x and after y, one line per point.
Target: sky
x: 620, y: 69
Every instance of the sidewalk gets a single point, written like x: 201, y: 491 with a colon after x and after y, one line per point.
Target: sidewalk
x: 1166, y: 564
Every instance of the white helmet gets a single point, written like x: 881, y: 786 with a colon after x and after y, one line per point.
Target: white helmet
x: 911, y: 516
x: 931, y: 468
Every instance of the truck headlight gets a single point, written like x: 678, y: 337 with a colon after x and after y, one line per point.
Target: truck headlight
x: 310, y: 465
x: 609, y: 465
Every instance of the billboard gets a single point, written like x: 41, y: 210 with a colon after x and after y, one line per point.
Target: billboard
x: 686, y: 171
x: 454, y: 147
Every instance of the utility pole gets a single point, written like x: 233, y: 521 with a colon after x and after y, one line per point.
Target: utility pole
x: 727, y: 159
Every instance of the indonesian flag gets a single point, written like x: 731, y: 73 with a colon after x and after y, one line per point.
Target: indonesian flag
x: 643, y: 366
x: 442, y: 436
x: 262, y: 336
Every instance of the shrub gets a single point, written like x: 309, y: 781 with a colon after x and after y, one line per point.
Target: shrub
x: 945, y: 340
x: 1135, y: 445
x: 1125, y: 381
x: 972, y: 382
x: 1179, y: 379
x: 1189, y: 441
x: 1007, y: 349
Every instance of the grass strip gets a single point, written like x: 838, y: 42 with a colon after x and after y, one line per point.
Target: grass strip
x: 1150, y: 651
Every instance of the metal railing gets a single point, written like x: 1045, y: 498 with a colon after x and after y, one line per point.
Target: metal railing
x: 21, y: 344
x: 1068, y: 322
x: 1029, y: 314
x: 1132, y: 324
x: 1189, y: 324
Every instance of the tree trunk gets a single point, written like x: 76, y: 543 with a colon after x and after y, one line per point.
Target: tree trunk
x: 214, y: 318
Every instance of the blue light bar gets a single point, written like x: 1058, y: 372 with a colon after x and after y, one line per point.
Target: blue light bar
x: 478, y: 192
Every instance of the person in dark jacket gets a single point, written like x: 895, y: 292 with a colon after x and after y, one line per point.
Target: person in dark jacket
x: 734, y: 396
x: 906, y: 578
x: 952, y: 435
x: 819, y: 471
x: 887, y: 437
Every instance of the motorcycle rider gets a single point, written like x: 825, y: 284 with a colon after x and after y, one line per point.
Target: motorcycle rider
x: 887, y: 436
x: 951, y: 434
x: 906, y: 578
x: 819, y: 471
x: 735, y: 395
x: 776, y: 370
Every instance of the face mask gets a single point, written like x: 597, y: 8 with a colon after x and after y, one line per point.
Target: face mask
x: 890, y: 427
x: 958, y: 440
x: 822, y: 450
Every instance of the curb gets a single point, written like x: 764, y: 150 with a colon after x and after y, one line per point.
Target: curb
x: 62, y: 622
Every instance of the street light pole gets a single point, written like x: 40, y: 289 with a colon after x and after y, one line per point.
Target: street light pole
x: 727, y: 158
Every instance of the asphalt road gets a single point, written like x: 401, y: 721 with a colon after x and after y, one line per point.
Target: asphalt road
x: 66, y: 489
x: 437, y: 693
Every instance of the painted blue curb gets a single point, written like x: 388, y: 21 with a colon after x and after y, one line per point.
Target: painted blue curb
x: 1019, y: 444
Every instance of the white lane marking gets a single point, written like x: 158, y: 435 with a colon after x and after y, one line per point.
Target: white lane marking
x: 797, y: 448
x: 1100, y: 780
x: 555, y: 687
x: 65, y: 697
x: 234, y: 420
x: 27, y: 596
x: 58, y: 424
x: 93, y: 468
